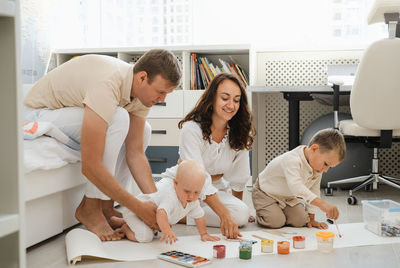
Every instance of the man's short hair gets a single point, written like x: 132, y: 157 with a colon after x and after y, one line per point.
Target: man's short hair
x: 330, y: 139
x: 160, y: 62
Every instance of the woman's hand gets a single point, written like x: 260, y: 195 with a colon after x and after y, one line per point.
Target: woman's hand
x: 229, y: 227
x: 207, y: 237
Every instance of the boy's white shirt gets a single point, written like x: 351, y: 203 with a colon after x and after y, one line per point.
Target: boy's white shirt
x: 289, y: 177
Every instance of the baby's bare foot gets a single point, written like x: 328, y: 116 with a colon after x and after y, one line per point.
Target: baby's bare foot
x: 128, y: 232
x: 116, y: 222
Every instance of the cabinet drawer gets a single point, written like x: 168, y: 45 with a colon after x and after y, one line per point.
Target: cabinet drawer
x: 171, y: 108
x: 164, y: 132
x: 162, y: 157
x: 190, y: 98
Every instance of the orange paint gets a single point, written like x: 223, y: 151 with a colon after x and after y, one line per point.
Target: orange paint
x: 283, y: 247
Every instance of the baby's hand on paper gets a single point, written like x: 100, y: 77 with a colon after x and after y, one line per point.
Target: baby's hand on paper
x: 317, y: 224
x: 169, y: 237
x: 207, y: 237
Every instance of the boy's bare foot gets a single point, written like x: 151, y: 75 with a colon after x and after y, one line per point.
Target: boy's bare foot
x: 89, y: 213
x: 128, y: 232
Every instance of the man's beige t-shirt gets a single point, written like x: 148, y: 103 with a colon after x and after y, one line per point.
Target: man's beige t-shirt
x: 101, y: 82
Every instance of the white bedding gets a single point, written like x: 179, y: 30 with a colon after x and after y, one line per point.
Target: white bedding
x: 46, y: 153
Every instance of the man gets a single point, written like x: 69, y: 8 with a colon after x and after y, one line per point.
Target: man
x: 102, y: 102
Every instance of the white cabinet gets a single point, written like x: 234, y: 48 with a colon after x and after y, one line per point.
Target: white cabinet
x: 12, y: 247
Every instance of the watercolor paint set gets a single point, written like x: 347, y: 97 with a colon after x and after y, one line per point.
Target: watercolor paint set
x: 184, y: 259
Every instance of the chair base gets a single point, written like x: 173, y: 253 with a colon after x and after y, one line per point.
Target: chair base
x: 370, y: 180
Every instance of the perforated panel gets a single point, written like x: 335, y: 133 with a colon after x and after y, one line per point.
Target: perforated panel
x: 302, y: 72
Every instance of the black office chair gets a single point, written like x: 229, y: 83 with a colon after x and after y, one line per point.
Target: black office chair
x: 375, y: 100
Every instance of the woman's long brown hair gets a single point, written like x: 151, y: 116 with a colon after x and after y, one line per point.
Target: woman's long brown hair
x: 241, y: 129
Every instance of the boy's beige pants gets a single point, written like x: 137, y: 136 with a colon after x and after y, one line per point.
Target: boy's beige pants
x: 271, y: 215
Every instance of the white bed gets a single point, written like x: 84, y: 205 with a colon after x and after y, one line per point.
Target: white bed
x: 53, y: 188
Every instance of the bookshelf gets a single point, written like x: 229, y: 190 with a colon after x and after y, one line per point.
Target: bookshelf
x: 163, y: 150
x: 12, y: 246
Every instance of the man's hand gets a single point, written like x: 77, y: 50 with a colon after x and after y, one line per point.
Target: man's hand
x: 207, y: 237
x: 147, y: 213
x: 229, y: 227
x: 169, y: 236
x: 317, y: 224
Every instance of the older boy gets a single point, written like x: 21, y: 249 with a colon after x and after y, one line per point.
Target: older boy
x: 287, y: 191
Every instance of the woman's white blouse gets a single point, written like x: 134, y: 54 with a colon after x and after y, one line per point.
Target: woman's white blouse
x: 217, y: 158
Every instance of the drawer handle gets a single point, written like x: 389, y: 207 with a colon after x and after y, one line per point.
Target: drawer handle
x: 159, y: 132
x: 158, y: 160
x: 161, y: 104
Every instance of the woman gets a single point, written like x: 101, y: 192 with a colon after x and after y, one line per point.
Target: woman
x: 218, y: 133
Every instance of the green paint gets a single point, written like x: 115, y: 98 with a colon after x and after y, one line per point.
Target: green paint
x: 245, y: 253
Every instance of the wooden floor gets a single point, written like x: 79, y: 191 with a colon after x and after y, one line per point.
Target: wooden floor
x: 51, y: 253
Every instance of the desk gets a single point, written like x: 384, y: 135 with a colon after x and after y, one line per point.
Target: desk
x: 295, y: 94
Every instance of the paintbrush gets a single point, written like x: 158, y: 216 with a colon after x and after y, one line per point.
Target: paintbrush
x: 337, y: 228
x: 259, y: 237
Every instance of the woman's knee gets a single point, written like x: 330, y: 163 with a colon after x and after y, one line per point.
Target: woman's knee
x: 242, y: 214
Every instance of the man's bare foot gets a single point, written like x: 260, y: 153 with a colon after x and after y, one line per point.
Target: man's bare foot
x: 128, y: 232
x: 90, y: 214
x: 109, y: 211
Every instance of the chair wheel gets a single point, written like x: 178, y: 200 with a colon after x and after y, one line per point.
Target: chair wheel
x: 369, y: 187
x: 351, y: 200
x: 328, y: 191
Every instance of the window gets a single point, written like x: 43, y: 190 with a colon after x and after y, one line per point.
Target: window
x: 49, y: 24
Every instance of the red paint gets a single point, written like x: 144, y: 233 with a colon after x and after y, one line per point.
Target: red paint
x: 219, y: 251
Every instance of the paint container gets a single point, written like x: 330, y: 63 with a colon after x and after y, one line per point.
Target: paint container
x: 267, y: 246
x: 219, y: 251
x: 299, y: 241
x: 283, y: 247
x: 325, y: 241
x: 245, y: 249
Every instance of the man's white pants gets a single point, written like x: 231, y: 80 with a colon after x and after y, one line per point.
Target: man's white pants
x: 69, y: 120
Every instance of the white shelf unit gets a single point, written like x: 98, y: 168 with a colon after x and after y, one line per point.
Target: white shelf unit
x: 163, y: 149
x: 12, y: 246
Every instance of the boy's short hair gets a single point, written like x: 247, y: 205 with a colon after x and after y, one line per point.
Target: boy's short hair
x: 330, y: 139
x: 159, y: 62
